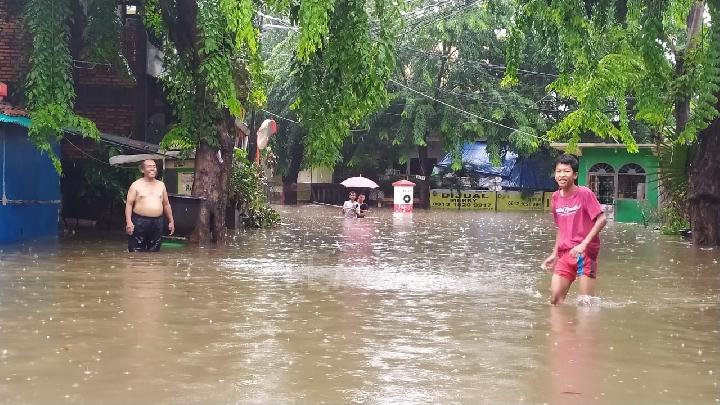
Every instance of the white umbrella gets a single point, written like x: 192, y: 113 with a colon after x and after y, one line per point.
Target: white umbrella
x: 359, y: 182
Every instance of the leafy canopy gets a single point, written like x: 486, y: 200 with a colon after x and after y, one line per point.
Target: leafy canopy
x: 618, y: 61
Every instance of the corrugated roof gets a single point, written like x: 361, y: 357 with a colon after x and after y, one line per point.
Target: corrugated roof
x: 10, y: 110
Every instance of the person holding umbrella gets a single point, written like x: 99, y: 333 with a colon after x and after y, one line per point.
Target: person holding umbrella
x: 357, y: 182
x: 362, y: 206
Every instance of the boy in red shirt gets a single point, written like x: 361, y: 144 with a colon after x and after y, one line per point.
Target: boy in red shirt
x: 579, y: 219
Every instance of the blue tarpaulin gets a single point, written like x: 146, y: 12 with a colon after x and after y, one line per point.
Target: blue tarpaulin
x: 515, y: 173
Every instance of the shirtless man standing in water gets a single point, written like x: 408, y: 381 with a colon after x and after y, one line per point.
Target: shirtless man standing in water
x: 147, y: 200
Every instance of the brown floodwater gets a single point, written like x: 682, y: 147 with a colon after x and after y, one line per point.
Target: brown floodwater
x: 435, y: 307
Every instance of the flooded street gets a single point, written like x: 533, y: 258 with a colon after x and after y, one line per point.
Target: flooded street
x: 429, y: 308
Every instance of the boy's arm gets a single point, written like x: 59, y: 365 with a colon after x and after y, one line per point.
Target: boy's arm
x: 592, y: 207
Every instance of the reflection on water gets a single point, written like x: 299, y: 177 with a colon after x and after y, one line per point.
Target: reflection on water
x: 432, y: 307
x: 575, y: 340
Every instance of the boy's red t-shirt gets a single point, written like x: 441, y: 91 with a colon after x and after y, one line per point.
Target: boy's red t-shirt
x: 575, y: 216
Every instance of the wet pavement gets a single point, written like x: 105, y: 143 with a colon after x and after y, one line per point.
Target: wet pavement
x: 436, y: 307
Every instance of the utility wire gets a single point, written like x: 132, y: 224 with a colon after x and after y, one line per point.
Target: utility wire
x: 296, y: 122
x: 453, y: 12
x: 467, y: 112
x: 475, y: 62
x: 442, y: 6
x: 484, y: 101
x: 280, y: 116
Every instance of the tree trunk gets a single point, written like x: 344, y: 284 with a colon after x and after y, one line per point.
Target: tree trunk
x: 682, y: 99
x: 211, y: 182
x: 424, y: 190
x: 295, y: 153
x: 252, y: 146
x: 704, y: 186
x: 425, y: 169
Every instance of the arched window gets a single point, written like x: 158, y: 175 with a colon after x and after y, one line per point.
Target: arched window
x: 601, y: 180
x: 602, y: 168
x: 632, y: 168
x: 631, y: 182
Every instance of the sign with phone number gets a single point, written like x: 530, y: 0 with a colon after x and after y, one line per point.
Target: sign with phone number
x: 464, y: 200
x: 516, y: 201
x: 489, y: 200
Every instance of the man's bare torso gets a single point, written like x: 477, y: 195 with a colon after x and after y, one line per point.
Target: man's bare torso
x: 148, y: 197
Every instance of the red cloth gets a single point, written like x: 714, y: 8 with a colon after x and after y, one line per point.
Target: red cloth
x: 567, y: 266
x: 575, y: 216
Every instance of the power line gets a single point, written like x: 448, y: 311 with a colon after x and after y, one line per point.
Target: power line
x: 280, y: 116
x: 85, y: 153
x: 483, y: 101
x: 440, y: 17
x: 297, y: 122
x: 490, y: 66
x: 441, y: 6
x: 467, y: 112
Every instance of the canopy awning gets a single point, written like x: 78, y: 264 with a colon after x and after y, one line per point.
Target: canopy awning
x: 125, y: 159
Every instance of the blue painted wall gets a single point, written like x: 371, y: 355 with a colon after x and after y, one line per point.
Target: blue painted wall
x: 30, y: 188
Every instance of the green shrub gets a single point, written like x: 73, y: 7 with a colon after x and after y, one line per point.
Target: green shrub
x: 673, y: 220
x: 247, y: 191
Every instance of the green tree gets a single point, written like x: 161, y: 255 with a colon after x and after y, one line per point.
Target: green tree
x: 214, y: 72
x: 447, y: 57
x: 448, y: 86
x: 657, y: 62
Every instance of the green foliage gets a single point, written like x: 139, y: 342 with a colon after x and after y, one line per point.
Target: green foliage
x: 50, y: 78
x: 370, y: 151
x: 457, y: 61
x: 218, y: 49
x: 672, y: 219
x: 178, y: 138
x: 314, y: 17
x: 152, y: 18
x: 340, y: 73
x: 103, y: 35
x: 105, y: 184
x: 674, y: 160
x: 613, y: 60
x: 92, y: 189
x: 288, y: 142
x: 705, y: 79
x: 49, y: 87
x: 201, y: 84
x: 247, y: 189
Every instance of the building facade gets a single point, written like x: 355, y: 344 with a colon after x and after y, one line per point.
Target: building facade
x: 626, y: 182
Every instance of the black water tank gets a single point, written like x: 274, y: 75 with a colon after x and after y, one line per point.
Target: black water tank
x: 186, y: 209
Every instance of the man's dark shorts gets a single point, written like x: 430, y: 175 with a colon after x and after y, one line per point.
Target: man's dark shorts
x: 147, y: 235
